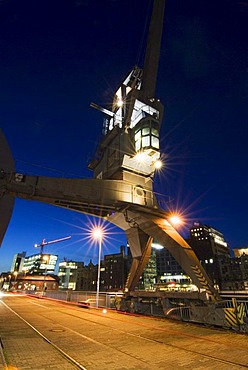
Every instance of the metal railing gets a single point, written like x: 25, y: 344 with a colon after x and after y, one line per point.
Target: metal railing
x: 106, y: 299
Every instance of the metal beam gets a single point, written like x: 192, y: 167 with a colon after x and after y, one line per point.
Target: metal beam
x: 150, y: 70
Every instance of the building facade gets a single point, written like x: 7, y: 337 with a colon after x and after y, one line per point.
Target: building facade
x: 39, y: 264
x: 235, y: 271
x: 166, y: 263
x: 163, y: 272
x: 114, y: 271
x: 87, y: 278
x: 68, y: 274
x: 18, y: 262
x: 77, y: 276
x: 211, y: 249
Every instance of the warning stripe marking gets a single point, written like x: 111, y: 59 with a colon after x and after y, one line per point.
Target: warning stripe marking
x: 230, y: 316
x: 234, y: 318
x: 201, y: 279
x: 241, y: 313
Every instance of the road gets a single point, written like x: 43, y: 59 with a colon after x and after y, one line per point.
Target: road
x: 44, y: 334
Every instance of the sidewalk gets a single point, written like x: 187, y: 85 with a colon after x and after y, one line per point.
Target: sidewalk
x: 22, y: 348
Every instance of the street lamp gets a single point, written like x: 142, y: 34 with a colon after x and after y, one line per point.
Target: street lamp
x: 9, y: 276
x: 15, y: 273
x: 45, y: 259
x: 175, y: 220
x: 97, y: 234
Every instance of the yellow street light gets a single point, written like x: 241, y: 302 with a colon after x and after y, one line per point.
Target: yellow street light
x: 45, y: 259
x: 175, y: 220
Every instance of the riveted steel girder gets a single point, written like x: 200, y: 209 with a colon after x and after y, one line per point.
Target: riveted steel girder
x: 112, y: 200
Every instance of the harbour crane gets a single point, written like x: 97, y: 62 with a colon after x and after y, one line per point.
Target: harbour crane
x: 121, y: 190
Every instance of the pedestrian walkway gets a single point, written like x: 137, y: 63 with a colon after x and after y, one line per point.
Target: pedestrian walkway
x: 38, y: 334
x: 21, y: 345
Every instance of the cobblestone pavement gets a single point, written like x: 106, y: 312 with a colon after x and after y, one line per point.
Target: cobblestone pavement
x: 109, y: 341
x: 23, y: 348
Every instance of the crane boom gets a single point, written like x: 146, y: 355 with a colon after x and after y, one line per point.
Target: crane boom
x: 150, y: 69
x: 43, y: 243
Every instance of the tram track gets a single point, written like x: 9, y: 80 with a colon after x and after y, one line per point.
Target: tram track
x: 170, y: 345
x: 2, y: 355
x: 121, y: 318
x: 61, y: 351
x: 93, y: 319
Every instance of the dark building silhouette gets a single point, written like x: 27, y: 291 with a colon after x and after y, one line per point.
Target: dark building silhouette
x: 87, y: 277
x: 211, y: 249
x: 235, y: 271
x: 77, y: 276
x: 115, y: 270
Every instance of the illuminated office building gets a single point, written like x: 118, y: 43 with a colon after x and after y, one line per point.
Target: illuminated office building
x: 40, y: 264
x: 68, y: 274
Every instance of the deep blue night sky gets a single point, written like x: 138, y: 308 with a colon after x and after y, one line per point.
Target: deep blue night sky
x: 56, y: 57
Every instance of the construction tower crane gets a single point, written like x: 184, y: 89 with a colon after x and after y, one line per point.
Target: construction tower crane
x: 43, y: 243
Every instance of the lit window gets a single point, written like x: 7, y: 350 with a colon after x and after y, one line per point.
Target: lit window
x: 145, y: 141
x: 145, y: 131
x: 138, y: 145
x: 154, y: 132
x: 137, y: 135
x: 155, y: 142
